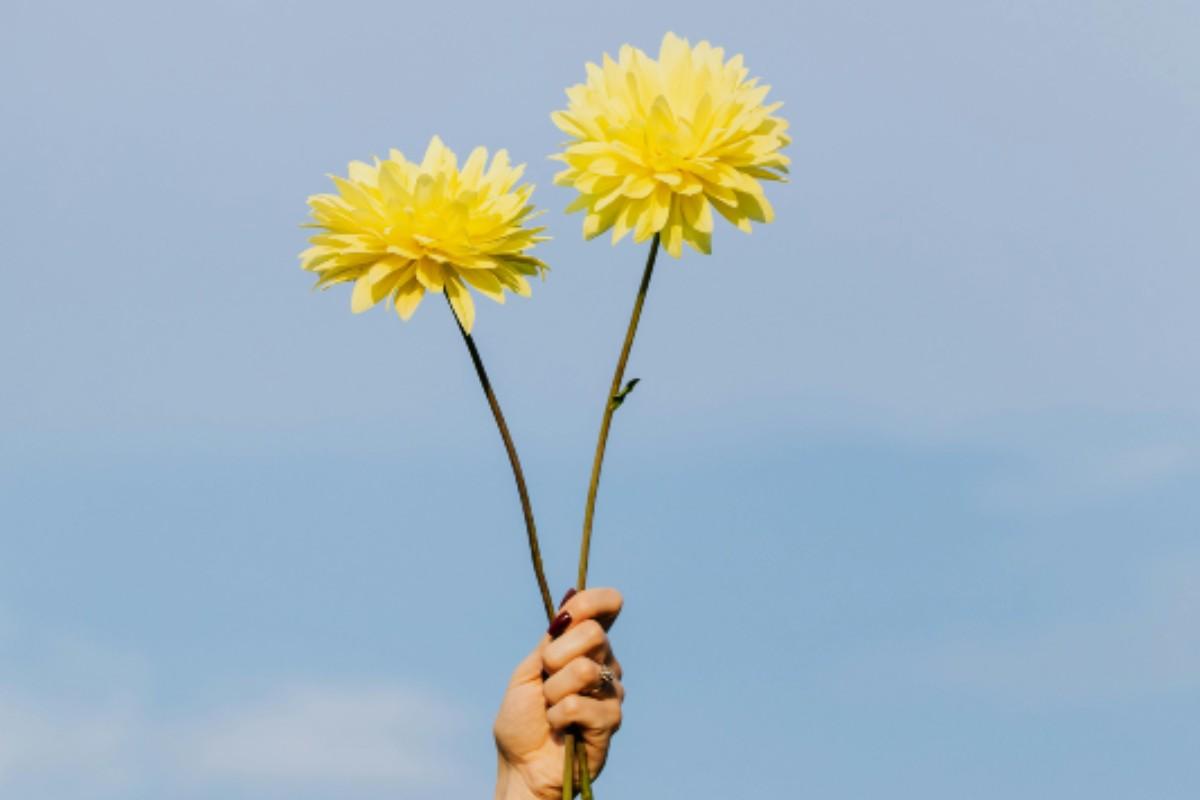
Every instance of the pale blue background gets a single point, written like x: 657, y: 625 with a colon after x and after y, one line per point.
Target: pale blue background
x: 905, y: 506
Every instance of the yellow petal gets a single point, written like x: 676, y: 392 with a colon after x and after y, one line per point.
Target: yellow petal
x: 567, y: 124
x: 328, y: 277
x: 460, y: 300
x: 697, y: 213
x: 435, y: 153
x: 756, y: 207
x: 598, y: 222
x: 699, y: 240
x: 391, y: 184
x: 472, y: 171
x: 638, y: 186
x: 516, y: 283
x: 408, y: 297
x: 360, y: 172
x: 431, y: 274
x: 672, y: 233
x: 625, y: 222
x: 313, y: 257
x: 361, y: 299
x: 485, y: 281
x: 579, y: 204
x: 661, y: 208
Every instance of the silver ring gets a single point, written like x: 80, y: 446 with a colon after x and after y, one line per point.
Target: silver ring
x: 607, y: 678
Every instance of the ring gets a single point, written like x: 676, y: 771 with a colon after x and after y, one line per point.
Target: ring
x: 607, y: 678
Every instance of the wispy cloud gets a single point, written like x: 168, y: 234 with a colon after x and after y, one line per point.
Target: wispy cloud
x: 53, y: 748
x: 345, y: 740
x: 86, y: 726
x: 334, y: 735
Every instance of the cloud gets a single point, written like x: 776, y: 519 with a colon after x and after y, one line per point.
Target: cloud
x: 84, y: 724
x: 344, y: 735
x: 48, y: 746
x: 346, y: 740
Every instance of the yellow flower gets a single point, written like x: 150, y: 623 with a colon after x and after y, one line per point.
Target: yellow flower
x: 399, y: 229
x: 657, y: 144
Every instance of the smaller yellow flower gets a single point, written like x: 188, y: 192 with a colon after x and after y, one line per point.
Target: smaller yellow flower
x: 657, y: 144
x: 398, y: 229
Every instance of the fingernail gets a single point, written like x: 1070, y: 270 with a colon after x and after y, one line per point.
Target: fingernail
x: 560, y: 624
x: 570, y: 593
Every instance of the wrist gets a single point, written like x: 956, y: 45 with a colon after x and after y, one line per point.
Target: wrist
x: 509, y: 784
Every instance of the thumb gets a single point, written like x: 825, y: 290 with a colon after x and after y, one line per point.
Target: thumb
x: 530, y: 668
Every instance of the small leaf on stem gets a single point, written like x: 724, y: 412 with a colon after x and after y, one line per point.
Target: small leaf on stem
x: 619, y: 397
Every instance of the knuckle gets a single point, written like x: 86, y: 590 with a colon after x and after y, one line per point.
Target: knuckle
x: 592, y: 633
x: 554, y: 718
x: 581, y: 605
x: 553, y: 659
x: 570, y: 705
x: 586, y: 670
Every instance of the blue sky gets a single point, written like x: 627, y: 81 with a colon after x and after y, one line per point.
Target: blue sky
x: 905, y: 504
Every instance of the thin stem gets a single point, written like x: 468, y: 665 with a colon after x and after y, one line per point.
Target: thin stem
x: 609, y: 407
x: 585, y: 779
x: 535, y: 553
x: 576, y: 753
x: 568, y: 792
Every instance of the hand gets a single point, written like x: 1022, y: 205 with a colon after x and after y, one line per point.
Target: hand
x: 556, y: 687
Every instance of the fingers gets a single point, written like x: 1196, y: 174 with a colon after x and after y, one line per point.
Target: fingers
x: 584, y: 617
x: 580, y: 676
x: 587, y: 638
x: 598, y: 716
x: 602, y: 605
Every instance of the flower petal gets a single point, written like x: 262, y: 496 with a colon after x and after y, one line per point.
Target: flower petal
x: 407, y: 298
x: 431, y: 274
x: 461, y: 302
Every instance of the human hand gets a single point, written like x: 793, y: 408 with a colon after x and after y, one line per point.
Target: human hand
x: 559, y: 686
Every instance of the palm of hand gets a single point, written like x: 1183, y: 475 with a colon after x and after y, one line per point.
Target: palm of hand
x: 525, y: 738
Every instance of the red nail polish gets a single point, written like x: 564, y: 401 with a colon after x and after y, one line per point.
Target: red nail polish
x: 560, y: 624
x: 570, y: 593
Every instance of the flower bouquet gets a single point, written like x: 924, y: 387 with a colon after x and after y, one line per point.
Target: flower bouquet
x: 656, y: 145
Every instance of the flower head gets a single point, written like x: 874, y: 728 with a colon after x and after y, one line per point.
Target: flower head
x: 657, y: 144
x: 399, y: 229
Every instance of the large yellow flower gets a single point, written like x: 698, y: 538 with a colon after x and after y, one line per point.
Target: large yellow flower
x: 399, y: 229
x: 657, y: 144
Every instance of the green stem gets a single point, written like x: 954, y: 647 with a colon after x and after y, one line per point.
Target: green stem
x: 609, y: 408
x: 585, y: 779
x: 568, y: 792
x: 576, y: 753
x: 535, y: 553
x: 590, y: 509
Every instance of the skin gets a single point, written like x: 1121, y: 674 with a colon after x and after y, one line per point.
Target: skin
x: 554, y: 688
